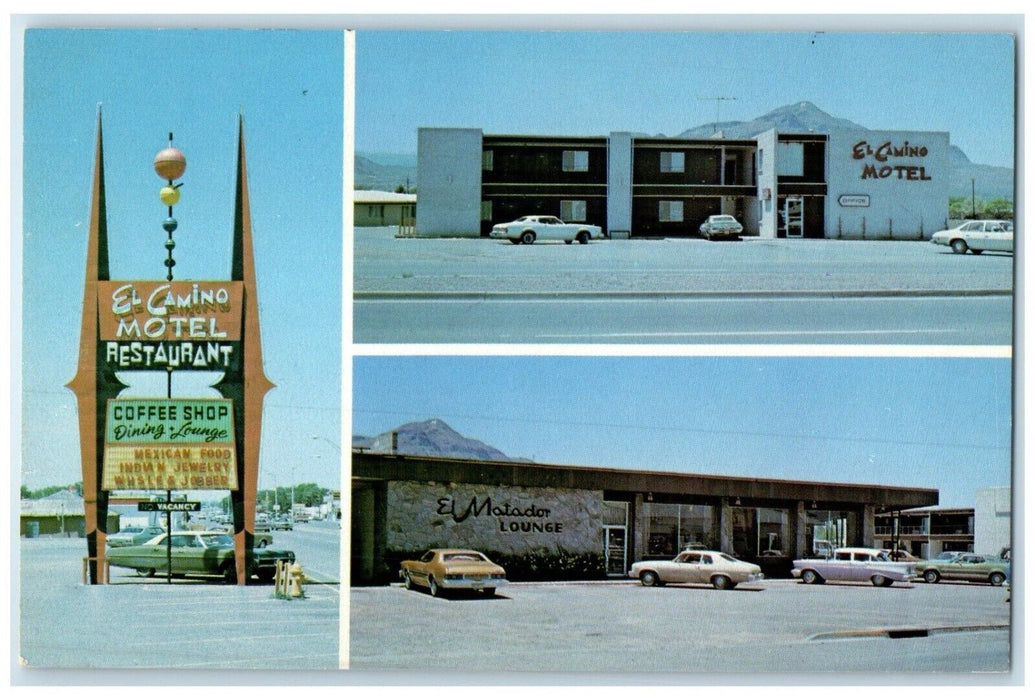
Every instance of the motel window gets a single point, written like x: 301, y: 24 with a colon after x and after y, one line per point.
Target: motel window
x: 486, y: 160
x: 673, y: 161
x: 487, y: 210
x: 573, y: 210
x: 790, y: 159
x: 670, y: 210
x: 575, y: 161
x: 674, y: 527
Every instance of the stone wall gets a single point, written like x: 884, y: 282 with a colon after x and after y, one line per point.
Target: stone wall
x: 493, y: 518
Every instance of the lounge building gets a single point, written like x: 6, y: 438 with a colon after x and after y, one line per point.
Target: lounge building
x: 855, y: 184
x: 561, y: 522
x: 927, y: 532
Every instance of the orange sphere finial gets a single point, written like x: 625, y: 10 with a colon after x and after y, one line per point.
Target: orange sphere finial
x: 170, y: 163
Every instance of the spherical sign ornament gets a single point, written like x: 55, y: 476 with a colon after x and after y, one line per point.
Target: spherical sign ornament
x: 170, y: 163
x: 169, y: 195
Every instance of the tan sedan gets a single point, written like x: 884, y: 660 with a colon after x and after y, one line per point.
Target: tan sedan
x: 451, y: 569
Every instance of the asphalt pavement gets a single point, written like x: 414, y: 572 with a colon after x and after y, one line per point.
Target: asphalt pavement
x: 198, y: 624
x: 751, y: 291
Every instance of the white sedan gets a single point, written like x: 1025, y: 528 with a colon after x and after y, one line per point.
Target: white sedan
x: 721, y: 226
x: 977, y: 236
x: 697, y: 566
x: 529, y: 229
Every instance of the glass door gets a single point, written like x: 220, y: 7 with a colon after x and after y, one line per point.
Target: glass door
x: 793, y: 215
x: 614, y: 550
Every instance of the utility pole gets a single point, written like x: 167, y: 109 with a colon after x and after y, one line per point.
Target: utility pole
x: 973, y: 201
x: 718, y: 101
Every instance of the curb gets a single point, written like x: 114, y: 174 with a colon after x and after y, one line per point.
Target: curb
x: 747, y: 294
x: 905, y: 632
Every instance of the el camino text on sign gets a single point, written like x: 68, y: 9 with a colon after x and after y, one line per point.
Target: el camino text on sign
x: 886, y: 151
x: 170, y: 325
x: 169, y: 444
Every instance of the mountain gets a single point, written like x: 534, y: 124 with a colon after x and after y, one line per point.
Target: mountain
x: 798, y: 117
x: 432, y: 438
x: 387, y: 171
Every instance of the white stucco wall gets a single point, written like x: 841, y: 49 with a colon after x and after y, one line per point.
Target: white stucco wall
x: 992, y: 518
x: 874, y: 192
x: 619, y: 184
x: 449, y: 181
x: 765, y: 158
x: 506, y: 519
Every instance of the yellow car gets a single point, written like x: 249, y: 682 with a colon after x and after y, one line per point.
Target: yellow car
x: 450, y: 569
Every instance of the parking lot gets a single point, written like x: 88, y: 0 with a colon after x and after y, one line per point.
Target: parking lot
x: 777, y: 627
x: 197, y: 624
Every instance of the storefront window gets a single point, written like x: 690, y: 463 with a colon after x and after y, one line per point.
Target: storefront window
x: 761, y: 532
x: 826, y: 530
x: 673, y: 527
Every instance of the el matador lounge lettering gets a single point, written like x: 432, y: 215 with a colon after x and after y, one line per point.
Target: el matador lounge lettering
x: 509, y: 518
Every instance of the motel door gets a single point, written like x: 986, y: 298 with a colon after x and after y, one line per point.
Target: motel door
x: 793, y: 215
x: 614, y: 550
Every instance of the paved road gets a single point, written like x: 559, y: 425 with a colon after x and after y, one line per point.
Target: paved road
x: 682, y: 291
x: 625, y: 628
x: 928, y: 320
x: 194, y: 624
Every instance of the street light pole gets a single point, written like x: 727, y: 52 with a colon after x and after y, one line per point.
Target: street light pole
x: 973, y: 201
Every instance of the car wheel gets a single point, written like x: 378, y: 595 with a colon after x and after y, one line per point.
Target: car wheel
x: 528, y: 237
x: 959, y: 246
x: 266, y: 576
x: 433, y: 586
x: 996, y: 578
x: 229, y: 573
x: 811, y: 577
x: 878, y: 580
x: 407, y: 581
x: 650, y: 578
x: 722, y: 583
x: 582, y: 238
x: 150, y: 573
x: 932, y: 576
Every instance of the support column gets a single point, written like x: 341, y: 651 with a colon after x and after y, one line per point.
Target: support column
x: 725, y: 526
x: 800, y: 531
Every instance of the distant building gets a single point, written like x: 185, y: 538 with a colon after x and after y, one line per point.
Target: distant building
x: 376, y: 208
x: 856, y: 184
x: 60, y: 513
x: 926, y: 532
x: 992, y: 517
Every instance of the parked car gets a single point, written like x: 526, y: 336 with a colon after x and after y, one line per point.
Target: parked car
x: 198, y: 553
x: 134, y: 535
x: 282, y: 524
x: 965, y: 566
x: 529, y: 229
x: 721, y: 226
x: 977, y: 236
x: 853, y: 564
x: 900, y: 555
x: 441, y: 569
x: 697, y: 566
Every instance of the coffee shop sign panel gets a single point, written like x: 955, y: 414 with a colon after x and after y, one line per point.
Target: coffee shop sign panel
x: 187, y: 325
x: 169, y: 444
x: 496, y: 518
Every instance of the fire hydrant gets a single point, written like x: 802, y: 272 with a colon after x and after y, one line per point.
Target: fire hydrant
x: 295, y: 580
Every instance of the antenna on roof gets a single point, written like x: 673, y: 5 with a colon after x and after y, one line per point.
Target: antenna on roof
x: 718, y: 101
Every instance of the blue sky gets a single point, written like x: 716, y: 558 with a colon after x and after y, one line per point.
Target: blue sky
x: 289, y: 87
x: 931, y: 422
x: 586, y: 83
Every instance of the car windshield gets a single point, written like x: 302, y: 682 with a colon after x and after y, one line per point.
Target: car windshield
x: 722, y: 218
x: 217, y: 540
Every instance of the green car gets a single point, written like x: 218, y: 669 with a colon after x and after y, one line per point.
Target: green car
x: 964, y: 566
x: 198, y: 553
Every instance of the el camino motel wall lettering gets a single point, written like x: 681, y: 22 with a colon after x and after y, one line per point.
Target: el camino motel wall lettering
x: 147, y: 325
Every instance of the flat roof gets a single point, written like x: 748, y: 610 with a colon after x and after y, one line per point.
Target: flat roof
x: 379, y: 466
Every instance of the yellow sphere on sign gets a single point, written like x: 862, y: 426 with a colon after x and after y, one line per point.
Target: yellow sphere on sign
x: 170, y: 163
x: 169, y: 195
